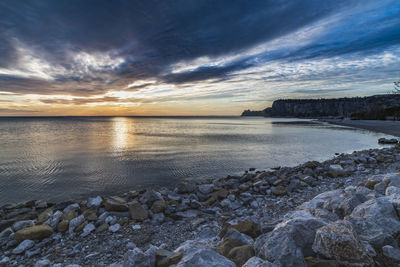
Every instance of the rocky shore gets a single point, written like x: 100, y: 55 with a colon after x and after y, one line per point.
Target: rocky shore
x: 341, y: 212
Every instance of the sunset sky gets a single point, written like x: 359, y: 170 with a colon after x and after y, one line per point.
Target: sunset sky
x: 191, y: 57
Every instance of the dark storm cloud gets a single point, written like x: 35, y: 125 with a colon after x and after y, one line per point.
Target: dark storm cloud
x: 149, y: 36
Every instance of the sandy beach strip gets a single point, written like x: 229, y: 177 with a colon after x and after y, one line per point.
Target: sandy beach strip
x: 387, y: 127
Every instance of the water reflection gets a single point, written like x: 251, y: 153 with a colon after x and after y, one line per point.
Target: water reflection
x: 121, y: 127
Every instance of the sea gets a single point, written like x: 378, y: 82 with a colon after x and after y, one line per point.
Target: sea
x: 63, y: 158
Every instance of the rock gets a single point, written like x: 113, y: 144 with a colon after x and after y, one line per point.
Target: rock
x: 249, y: 228
x: 335, y: 171
x: 69, y: 216
x: 204, y: 257
x: 257, y: 262
x: 136, y: 257
x: 4, y: 261
x: 150, y: 196
x: 173, y: 196
x: 391, y: 252
x: 339, y: 241
x: 220, y: 194
x: 88, y: 229
x: 240, y: 255
x: 371, y: 183
x: 170, y: 260
x: 94, y: 202
x: 43, y: 263
x: 74, y: 223
x: 185, y: 188
x: 290, y: 241
x: 45, y: 215
x: 54, y: 219
x: 72, y: 207
x: 6, y: 233
x: 279, y: 191
x: 226, y: 246
x: 34, y: 233
x: 31, y: 253
x: 380, y: 187
x: 63, y: 226
x: 316, y: 262
x: 23, y: 224
x: 375, y: 221
x: 102, y: 228
x: 392, y: 190
x: 242, y: 239
x: 206, y: 188
x: 387, y: 141
x: 137, y: 212
x: 114, y: 228
x: 158, y: 206
x: 23, y: 246
x: 115, y: 204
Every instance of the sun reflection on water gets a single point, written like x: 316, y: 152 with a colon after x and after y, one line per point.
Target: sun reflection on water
x: 121, y: 136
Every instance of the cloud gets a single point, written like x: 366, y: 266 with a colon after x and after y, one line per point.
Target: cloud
x: 89, y: 49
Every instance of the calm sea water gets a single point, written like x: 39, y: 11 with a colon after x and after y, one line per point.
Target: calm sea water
x: 65, y: 158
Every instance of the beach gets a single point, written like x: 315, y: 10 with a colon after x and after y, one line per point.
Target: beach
x: 286, y: 216
x: 387, y: 127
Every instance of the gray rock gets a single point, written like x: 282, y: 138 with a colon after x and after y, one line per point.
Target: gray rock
x: 391, y: 252
x: 136, y: 257
x: 257, y: 262
x: 173, y: 196
x: 88, y: 229
x: 392, y: 190
x: 339, y: 241
x: 94, y: 202
x: 31, y: 253
x: 242, y: 239
x: 6, y: 232
x: 392, y: 179
x: 23, y: 224
x: 206, y: 188
x: 290, y: 241
x: 4, y: 261
x: 188, y: 214
x: 204, y: 257
x: 150, y: 196
x: 54, y: 219
x: 75, y: 223
x: 74, y: 206
x: 43, y: 263
x: 24, y: 245
x: 376, y: 221
x: 114, y: 228
x: 380, y: 187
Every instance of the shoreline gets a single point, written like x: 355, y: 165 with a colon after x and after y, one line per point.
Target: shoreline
x: 386, y: 127
x: 111, y: 231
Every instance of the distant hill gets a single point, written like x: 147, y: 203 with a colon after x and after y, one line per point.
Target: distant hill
x: 334, y: 107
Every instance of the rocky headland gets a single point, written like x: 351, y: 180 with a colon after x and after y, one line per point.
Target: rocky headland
x: 340, y: 212
x: 333, y: 107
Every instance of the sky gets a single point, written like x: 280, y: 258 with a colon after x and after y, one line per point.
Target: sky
x: 191, y: 57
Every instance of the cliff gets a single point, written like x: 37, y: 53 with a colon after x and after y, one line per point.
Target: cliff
x: 345, y: 107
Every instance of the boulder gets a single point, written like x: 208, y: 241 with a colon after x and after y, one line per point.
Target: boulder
x: 220, y: 194
x: 137, y: 212
x: 206, y: 188
x: 338, y: 241
x: 136, y: 257
x: 73, y: 206
x: 391, y: 252
x: 34, y: 233
x: 317, y: 262
x: 205, y: 257
x: 290, y: 241
x: 241, y: 238
x: 387, y: 141
x: 165, y: 258
x: 240, y: 255
x: 375, y: 221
